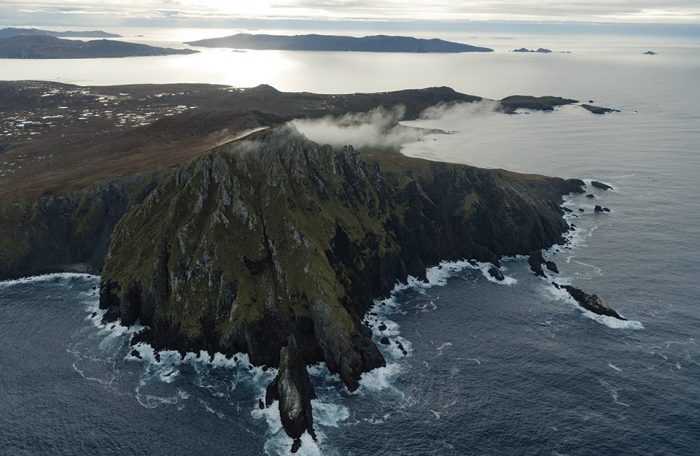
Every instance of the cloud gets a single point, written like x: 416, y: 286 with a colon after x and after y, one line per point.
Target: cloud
x: 654, y: 11
x: 378, y: 128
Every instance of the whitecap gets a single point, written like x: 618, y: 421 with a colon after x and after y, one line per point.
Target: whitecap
x: 328, y: 414
x: 442, y: 347
x: 151, y: 401
x: 614, y: 392
x: 612, y: 366
x: 48, y: 278
x: 380, y: 378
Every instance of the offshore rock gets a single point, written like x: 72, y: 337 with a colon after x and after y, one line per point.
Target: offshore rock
x: 293, y: 388
x: 591, y: 302
x: 536, y: 260
x: 552, y: 266
x: 496, y: 273
x: 601, y: 185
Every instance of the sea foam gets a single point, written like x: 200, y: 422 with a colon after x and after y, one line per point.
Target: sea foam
x: 55, y: 277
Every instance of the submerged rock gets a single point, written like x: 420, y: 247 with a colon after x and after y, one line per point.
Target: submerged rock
x: 402, y: 348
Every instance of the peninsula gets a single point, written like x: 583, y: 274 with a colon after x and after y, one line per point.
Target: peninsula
x: 219, y: 227
x: 13, y: 31
x: 49, y: 47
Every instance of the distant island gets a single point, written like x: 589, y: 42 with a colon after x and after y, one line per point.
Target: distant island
x: 540, y: 50
x: 13, y: 31
x: 50, y: 47
x: 650, y: 53
x: 376, y: 43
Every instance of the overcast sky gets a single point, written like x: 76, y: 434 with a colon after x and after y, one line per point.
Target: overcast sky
x: 77, y: 12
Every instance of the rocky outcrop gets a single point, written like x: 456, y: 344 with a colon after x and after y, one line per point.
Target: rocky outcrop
x: 590, y: 302
x: 601, y: 185
x: 536, y: 260
x: 293, y: 389
x: 496, y: 273
x: 598, y: 109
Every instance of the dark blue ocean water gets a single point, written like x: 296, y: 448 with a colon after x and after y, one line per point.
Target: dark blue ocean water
x: 492, y: 369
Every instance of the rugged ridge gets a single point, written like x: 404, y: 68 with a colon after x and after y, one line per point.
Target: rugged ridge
x: 277, y: 237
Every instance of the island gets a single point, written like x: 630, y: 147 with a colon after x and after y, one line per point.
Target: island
x: 650, y: 53
x: 49, y: 47
x: 12, y: 31
x: 218, y: 226
x: 313, y: 42
x: 539, y: 51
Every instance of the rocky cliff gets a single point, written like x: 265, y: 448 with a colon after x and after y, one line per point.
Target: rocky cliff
x: 277, y: 237
x: 69, y: 231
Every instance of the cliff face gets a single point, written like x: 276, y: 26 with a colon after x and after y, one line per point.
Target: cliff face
x: 65, y: 232
x: 277, y: 236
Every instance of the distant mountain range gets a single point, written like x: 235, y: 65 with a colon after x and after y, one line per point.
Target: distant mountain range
x: 11, y: 31
x: 376, y: 43
x: 49, y: 47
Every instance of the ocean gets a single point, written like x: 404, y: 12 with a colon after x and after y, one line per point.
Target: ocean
x: 509, y: 368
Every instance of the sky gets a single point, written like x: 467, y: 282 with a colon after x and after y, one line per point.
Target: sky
x: 138, y: 12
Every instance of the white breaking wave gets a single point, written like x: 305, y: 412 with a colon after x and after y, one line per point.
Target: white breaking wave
x: 381, y: 378
x: 47, y: 278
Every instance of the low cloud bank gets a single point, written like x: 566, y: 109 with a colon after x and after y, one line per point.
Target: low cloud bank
x: 380, y: 128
